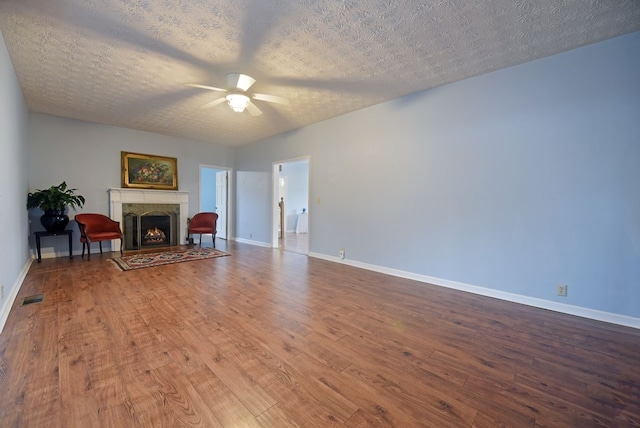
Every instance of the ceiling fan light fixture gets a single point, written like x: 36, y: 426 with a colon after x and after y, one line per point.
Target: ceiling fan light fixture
x: 237, y: 102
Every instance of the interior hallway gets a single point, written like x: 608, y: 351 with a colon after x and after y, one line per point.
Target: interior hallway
x: 295, y: 242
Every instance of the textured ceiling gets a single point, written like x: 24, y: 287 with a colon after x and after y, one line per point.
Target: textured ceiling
x: 126, y: 62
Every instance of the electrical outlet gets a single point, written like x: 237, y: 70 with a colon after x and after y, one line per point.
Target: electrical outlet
x: 561, y: 290
x: 341, y: 253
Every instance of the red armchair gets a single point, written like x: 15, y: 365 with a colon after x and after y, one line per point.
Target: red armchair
x: 203, y: 223
x: 97, y: 227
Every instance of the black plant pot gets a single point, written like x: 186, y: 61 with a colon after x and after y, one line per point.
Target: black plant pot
x: 54, y: 220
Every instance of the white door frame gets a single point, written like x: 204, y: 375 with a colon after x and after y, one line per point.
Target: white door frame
x: 230, y: 194
x: 275, y: 212
x: 285, y: 196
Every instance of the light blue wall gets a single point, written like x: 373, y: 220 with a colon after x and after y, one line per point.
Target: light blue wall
x: 254, y: 189
x: 14, y: 248
x: 87, y: 156
x: 515, y: 180
x: 208, y: 190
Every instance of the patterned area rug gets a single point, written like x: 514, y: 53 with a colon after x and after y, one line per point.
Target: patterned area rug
x: 140, y: 261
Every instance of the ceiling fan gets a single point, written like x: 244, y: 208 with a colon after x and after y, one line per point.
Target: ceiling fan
x: 237, y: 96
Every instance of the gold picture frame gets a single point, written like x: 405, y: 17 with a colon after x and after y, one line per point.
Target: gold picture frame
x: 149, y: 171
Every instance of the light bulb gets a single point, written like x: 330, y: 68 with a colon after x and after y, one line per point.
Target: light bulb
x: 237, y: 102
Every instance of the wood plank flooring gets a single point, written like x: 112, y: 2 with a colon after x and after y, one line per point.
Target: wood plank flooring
x: 269, y: 338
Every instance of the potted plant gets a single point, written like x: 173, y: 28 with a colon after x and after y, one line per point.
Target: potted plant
x: 54, y: 201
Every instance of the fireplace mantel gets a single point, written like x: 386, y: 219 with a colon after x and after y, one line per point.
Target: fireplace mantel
x: 117, y: 197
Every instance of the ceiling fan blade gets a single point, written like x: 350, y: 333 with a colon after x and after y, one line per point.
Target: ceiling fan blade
x: 253, y: 109
x: 240, y: 81
x: 211, y: 88
x: 271, y: 98
x: 214, y: 102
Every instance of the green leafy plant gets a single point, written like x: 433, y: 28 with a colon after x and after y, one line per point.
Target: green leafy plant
x: 55, y: 198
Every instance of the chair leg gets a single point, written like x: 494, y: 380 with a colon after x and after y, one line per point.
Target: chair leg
x: 201, y: 239
x: 100, y: 242
x: 88, y: 250
x: 121, y: 253
x: 214, y: 240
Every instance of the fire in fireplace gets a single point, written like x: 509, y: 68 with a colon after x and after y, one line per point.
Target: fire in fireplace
x: 157, y: 229
x: 154, y: 236
x: 150, y: 229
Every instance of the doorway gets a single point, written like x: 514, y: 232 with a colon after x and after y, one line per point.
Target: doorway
x: 214, y: 196
x: 291, y: 201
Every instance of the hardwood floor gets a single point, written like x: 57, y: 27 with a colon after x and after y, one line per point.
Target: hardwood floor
x: 267, y: 338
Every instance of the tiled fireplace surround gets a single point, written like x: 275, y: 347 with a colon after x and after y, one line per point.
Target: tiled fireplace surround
x: 159, y: 200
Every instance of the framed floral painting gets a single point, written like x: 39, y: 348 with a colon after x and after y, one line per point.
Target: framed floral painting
x: 149, y: 171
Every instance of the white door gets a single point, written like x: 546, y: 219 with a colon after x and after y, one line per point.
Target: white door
x: 221, y: 202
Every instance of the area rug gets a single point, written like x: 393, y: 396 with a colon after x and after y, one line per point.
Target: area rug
x: 140, y: 261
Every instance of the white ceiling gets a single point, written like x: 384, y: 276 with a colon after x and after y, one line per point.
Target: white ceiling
x: 126, y: 62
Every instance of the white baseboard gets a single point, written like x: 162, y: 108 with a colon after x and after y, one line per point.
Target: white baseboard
x: 502, y: 295
x: 8, y: 303
x: 250, y: 242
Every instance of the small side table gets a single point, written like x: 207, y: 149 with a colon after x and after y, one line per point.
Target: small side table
x: 45, y: 233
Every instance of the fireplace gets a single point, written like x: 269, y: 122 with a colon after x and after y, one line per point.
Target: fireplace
x: 149, y: 229
x: 166, y: 210
x: 155, y: 230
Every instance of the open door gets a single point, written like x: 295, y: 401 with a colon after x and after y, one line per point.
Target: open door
x: 222, y: 185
